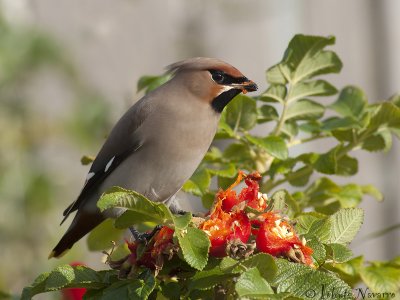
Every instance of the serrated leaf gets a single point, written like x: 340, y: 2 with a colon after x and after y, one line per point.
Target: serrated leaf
x: 208, y: 279
x: 304, y: 110
x: 100, y: 237
x: 346, y: 166
x: 264, y: 262
x: 306, y: 58
x: 345, y: 225
x: 275, y: 93
x: 139, y: 288
x: 139, y: 208
x: 194, y: 244
x: 307, y: 283
x: 322, y: 229
x: 182, y: 221
x: 372, y: 191
x: 281, y: 200
x: 252, y: 283
x: 241, y: 113
x: 351, y: 102
x: 305, y: 220
x: 275, y: 75
x: 66, y: 276
x: 274, y: 145
x: 311, y: 88
x: 387, y: 115
x: 267, y: 113
x: 339, y: 253
x: 319, y: 253
x: 381, y: 278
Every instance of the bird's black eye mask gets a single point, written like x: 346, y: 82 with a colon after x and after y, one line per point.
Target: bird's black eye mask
x: 225, y: 79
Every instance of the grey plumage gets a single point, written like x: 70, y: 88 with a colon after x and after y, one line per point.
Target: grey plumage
x: 159, y: 142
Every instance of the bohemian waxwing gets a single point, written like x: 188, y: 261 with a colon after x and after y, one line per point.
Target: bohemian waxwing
x: 159, y: 142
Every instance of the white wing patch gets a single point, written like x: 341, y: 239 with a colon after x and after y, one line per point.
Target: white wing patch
x: 90, y: 175
x: 109, y: 164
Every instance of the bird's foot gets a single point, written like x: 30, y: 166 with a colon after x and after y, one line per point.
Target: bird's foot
x: 144, y: 237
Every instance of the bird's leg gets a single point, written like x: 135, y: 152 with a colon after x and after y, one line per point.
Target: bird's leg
x: 144, y: 236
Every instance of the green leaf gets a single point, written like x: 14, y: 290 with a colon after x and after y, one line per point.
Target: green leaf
x: 139, y: 288
x: 281, y: 200
x: 372, y: 191
x: 139, y: 208
x: 306, y: 58
x: 300, y: 177
x: 319, y: 253
x: 100, y: 238
x: 332, y: 163
x: 322, y: 229
x: 381, y: 278
x: 267, y: 113
x: 387, y: 115
x: 351, y: 102
x: 265, y: 264
x: 290, y: 129
x: 350, y: 195
x: 194, y: 244
x: 199, y: 182
x: 182, y: 221
x: 224, y: 130
x: 311, y: 88
x: 336, y: 123
x: 339, y: 253
x: 227, y: 170
x: 275, y: 93
x: 208, y: 279
x: 67, y: 276
x: 241, y: 112
x: 304, y: 110
x: 307, y: 283
x: 275, y: 75
x: 305, y: 220
x: 149, y: 83
x: 326, y: 163
x: 251, y: 283
x: 349, y: 271
x: 274, y: 145
x: 345, y: 225
x: 346, y: 166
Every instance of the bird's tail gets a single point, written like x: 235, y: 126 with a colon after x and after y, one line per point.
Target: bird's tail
x: 80, y: 226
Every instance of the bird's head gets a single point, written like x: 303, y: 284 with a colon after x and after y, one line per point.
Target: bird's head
x: 211, y: 80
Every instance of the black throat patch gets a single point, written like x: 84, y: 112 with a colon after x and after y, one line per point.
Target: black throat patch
x: 223, y: 99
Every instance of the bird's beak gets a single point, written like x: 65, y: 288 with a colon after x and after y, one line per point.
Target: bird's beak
x: 247, y: 86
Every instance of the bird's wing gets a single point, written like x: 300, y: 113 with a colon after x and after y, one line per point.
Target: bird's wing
x: 122, y: 142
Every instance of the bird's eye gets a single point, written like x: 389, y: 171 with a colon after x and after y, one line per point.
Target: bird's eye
x: 218, y: 77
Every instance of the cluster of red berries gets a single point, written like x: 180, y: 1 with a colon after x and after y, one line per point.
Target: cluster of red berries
x: 232, y: 229
x: 267, y: 231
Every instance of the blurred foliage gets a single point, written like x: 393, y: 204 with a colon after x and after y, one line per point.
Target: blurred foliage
x: 30, y: 189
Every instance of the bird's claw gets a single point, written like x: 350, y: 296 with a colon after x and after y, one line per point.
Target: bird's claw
x: 144, y: 237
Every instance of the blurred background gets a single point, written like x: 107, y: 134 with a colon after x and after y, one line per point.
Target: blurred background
x: 68, y: 70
